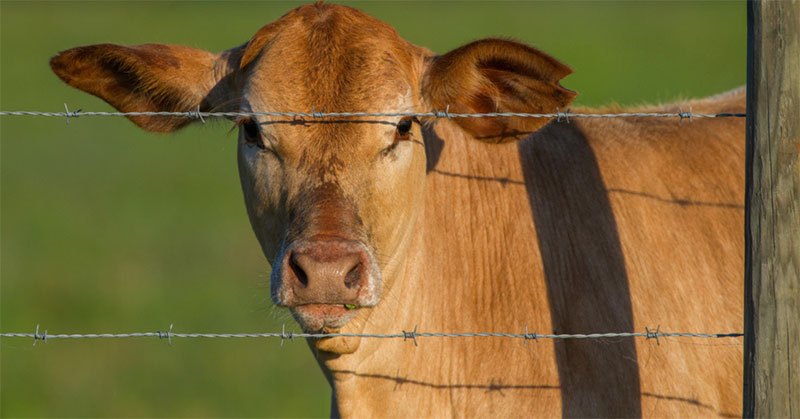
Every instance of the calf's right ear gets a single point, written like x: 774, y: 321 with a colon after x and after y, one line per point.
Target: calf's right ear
x: 496, y: 75
x: 151, y: 78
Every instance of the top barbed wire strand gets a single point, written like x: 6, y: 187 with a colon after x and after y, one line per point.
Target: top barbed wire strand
x: 437, y: 114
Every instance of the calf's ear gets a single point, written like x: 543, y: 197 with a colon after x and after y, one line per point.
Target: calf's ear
x: 496, y: 75
x: 149, y: 78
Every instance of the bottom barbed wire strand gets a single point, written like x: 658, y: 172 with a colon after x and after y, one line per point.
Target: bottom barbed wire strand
x: 283, y: 335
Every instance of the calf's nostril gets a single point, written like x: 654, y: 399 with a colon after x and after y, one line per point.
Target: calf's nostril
x: 351, y: 280
x: 299, y: 273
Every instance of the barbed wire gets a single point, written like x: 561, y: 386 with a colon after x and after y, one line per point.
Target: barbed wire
x: 198, y: 115
x: 405, y: 335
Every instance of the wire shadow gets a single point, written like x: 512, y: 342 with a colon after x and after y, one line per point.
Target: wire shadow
x: 399, y: 381
x: 502, y: 180
x: 693, y: 402
x: 677, y: 201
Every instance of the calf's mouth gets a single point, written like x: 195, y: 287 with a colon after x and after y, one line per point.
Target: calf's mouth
x: 323, y: 318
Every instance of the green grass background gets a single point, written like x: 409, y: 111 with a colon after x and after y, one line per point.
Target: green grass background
x: 105, y: 228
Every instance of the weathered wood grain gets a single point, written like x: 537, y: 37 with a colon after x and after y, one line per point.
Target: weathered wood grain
x: 772, y: 225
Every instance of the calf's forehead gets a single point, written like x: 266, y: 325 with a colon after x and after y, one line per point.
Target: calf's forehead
x: 333, y: 59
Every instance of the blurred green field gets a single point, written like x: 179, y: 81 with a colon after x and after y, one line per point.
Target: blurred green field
x: 105, y: 228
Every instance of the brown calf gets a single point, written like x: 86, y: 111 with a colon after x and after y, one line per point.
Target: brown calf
x: 380, y: 224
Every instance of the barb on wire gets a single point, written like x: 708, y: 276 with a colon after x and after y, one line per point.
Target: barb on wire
x: 650, y: 334
x: 411, y: 335
x: 68, y: 114
x: 441, y: 114
x: 197, y: 114
x: 167, y: 335
x: 285, y: 336
x: 562, y: 116
x: 528, y: 336
x: 37, y: 336
x: 404, y: 335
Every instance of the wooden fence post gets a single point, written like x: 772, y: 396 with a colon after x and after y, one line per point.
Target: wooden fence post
x: 772, y: 211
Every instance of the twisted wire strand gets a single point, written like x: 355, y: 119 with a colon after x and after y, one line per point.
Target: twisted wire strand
x: 437, y: 114
x: 405, y: 335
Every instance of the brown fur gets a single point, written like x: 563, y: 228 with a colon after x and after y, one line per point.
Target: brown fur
x: 604, y: 225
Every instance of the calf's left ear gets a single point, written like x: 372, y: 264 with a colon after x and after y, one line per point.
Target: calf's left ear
x: 149, y: 78
x: 497, y: 75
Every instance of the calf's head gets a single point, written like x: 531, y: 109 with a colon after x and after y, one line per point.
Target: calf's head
x: 334, y: 201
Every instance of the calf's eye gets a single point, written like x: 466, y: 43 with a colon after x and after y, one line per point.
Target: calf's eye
x: 252, y: 134
x: 401, y: 134
x: 404, y: 126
